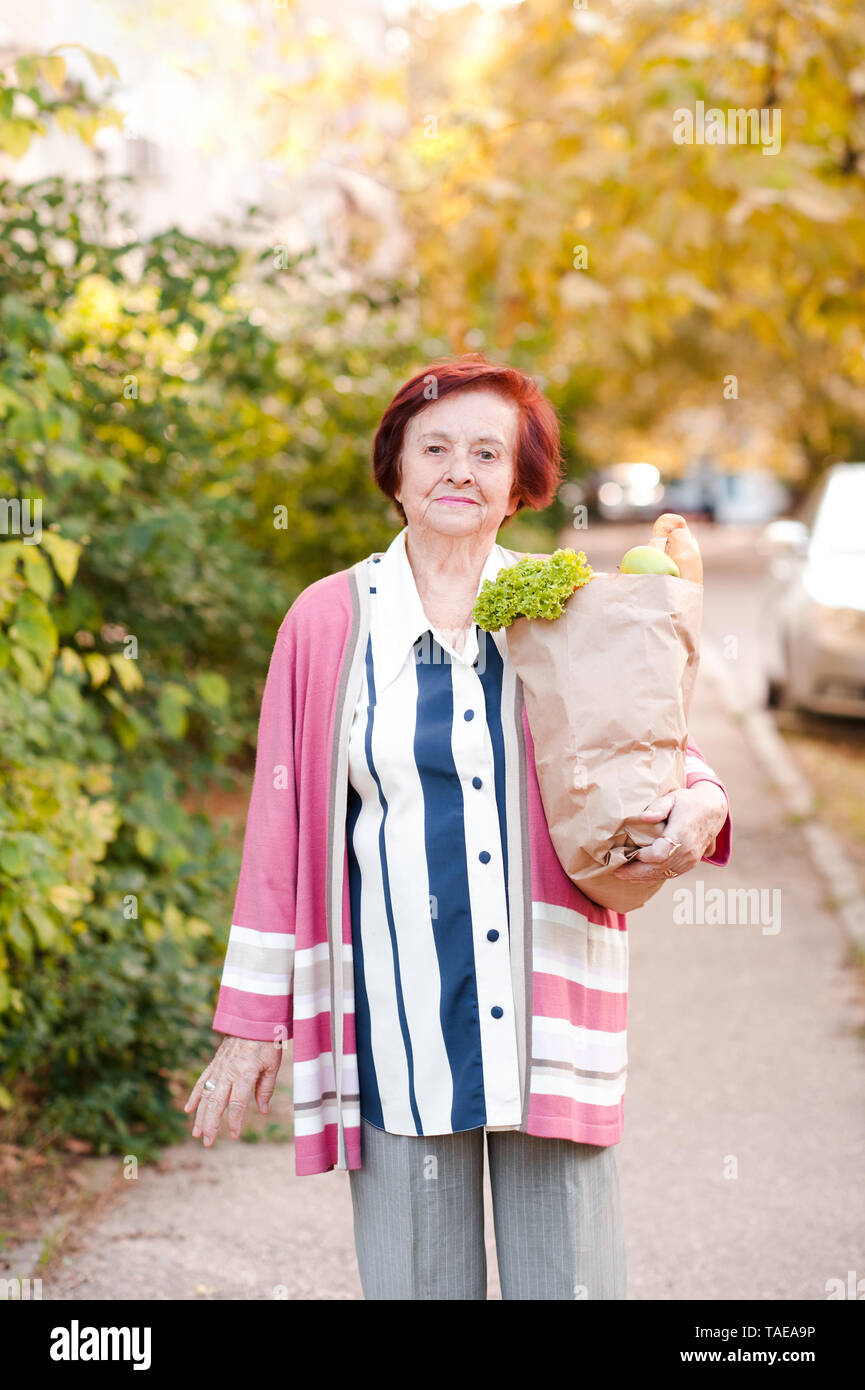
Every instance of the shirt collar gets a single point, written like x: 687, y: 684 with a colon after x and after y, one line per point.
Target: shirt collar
x: 398, y: 618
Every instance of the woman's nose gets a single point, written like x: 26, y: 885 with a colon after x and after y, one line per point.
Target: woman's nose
x: 459, y: 466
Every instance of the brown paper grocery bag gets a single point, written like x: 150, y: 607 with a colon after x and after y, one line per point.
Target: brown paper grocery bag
x: 608, y: 689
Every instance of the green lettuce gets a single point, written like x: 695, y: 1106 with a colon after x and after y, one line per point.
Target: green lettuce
x: 532, y: 588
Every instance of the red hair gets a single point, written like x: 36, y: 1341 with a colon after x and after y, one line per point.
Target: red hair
x: 538, y: 469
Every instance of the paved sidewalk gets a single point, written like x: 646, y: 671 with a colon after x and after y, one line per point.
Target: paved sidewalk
x: 742, y: 1050
x: 742, y: 1047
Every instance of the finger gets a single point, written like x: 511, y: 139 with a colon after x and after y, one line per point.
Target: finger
x: 636, y: 872
x: 666, y: 852
x: 681, y: 861
x: 660, y: 808
x: 680, y: 826
x: 264, y: 1090
x: 646, y: 861
x: 236, y: 1107
x: 660, y: 851
x: 210, y: 1110
x: 196, y: 1093
x: 214, y: 1111
x: 200, y: 1113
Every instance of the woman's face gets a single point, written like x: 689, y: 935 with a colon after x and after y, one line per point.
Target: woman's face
x: 459, y: 464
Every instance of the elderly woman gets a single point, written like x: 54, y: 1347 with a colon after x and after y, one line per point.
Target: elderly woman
x: 401, y: 913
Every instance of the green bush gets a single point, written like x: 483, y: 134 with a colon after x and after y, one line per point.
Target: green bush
x: 196, y: 424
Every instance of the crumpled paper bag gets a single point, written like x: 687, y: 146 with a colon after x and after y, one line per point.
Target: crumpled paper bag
x: 608, y: 689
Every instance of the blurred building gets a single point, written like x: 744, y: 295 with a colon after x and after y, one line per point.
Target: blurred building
x: 199, y: 86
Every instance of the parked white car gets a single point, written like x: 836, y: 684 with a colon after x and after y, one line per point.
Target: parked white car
x: 815, y: 614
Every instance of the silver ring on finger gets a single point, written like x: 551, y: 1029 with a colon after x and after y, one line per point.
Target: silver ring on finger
x: 210, y: 1085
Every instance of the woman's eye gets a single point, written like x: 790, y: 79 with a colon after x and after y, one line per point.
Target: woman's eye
x: 489, y: 453
x: 430, y: 447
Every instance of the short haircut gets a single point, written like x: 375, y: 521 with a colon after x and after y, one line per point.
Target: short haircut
x: 539, y: 467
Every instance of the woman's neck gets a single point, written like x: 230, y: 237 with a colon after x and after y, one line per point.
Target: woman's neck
x: 447, y: 571
x: 440, y: 561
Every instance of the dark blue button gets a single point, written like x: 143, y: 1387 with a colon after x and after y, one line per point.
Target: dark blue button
x: 496, y: 1011
x: 372, y: 591
x: 376, y: 559
x: 476, y: 782
x: 492, y: 935
x: 485, y: 856
x: 469, y: 714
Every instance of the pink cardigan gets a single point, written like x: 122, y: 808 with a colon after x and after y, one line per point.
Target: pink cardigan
x: 288, y: 969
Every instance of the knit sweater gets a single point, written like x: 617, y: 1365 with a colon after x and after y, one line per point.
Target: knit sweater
x: 288, y: 970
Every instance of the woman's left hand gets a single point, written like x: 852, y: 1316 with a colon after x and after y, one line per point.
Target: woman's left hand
x: 694, y: 816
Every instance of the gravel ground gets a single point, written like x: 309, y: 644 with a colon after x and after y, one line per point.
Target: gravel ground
x: 744, y: 1058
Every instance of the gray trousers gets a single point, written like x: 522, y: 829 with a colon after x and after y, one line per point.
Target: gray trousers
x: 419, y: 1216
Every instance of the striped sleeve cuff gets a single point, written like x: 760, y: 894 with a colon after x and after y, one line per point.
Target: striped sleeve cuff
x: 255, y: 995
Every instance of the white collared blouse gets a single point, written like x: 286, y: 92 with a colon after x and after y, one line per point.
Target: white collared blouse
x: 427, y: 851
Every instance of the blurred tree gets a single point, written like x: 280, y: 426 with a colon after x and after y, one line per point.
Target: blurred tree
x: 688, y: 290
x: 36, y: 91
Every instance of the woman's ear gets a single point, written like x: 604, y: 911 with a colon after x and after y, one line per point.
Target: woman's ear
x: 399, y: 477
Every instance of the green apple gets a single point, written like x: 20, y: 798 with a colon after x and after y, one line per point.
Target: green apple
x: 647, y: 559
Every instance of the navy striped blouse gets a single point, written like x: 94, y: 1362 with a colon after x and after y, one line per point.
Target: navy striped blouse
x: 427, y: 852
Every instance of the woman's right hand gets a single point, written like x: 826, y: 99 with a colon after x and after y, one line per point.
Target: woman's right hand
x: 239, y: 1067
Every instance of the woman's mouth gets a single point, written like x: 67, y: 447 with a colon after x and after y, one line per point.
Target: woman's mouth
x: 457, y: 501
